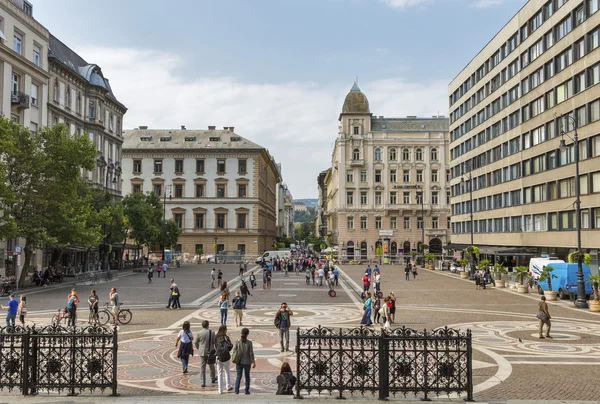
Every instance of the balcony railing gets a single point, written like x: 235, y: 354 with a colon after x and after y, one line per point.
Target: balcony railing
x: 357, y: 163
x: 20, y: 99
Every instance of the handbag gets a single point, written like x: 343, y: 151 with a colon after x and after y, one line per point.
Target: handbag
x: 542, y: 316
x: 236, y: 355
x: 212, y: 355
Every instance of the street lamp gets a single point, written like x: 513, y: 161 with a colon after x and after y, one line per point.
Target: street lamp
x: 462, y: 181
x: 581, y: 302
x: 216, y: 247
x: 167, y: 187
x: 422, y: 226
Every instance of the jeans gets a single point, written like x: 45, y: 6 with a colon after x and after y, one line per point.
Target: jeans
x: 184, y: 361
x: 284, y: 336
x: 223, y: 316
x: 224, y: 376
x: 170, y: 300
x: 320, y: 281
x: 238, y: 379
x: 407, y: 275
x: 176, y: 303
x: 72, y: 316
x: 245, y: 297
x: 10, y: 319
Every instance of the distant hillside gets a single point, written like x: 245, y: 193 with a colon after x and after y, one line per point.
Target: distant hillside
x: 308, y: 202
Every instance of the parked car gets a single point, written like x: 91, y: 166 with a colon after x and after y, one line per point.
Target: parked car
x: 267, y: 255
x: 537, y: 264
x: 565, y: 283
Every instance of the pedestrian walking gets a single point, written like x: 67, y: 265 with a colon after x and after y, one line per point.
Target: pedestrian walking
x: 368, y: 271
x: 245, y: 292
x: 12, y: 309
x: 366, y: 319
x: 223, y: 348
x: 238, y: 304
x: 241, y: 272
x: 219, y: 278
x: 392, y: 306
x: 186, y: 349
x: 158, y: 270
x: 283, y: 322
x: 269, y: 277
x: 252, y: 280
x: 307, y: 276
x: 414, y: 272
x: 544, y: 316
x: 205, y: 344
x: 285, y: 381
x: 114, y: 301
x: 245, y: 267
x: 244, y: 355
x: 376, y: 308
x: 336, y: 274
x: 312, y: 274
x: 172, y: 285
x: 176, y: 294
x: 164, y: 268
x: 22, y: 310
x: 407, y: 272
x: 223, y: 307
x: 377, y: 284
x: 321, y: 273
x: 225, y: 288
x: 150, y: 273
x: 385, y: 313
x: 212, y: 279
x: 93, y: 303
x: 264, y: 277
x: 477, y: 280
x: 72, y: 302
x: 366, y: 282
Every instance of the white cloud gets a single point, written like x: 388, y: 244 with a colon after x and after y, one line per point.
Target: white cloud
x: 486, y: 3
x: 296, y: 121
x: 404, y: 3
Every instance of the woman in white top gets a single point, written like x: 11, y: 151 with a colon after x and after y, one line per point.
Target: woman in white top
x: 186, y: 348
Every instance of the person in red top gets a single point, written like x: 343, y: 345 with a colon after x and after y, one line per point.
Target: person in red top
x: 366, y: 282
x: 72, y: 301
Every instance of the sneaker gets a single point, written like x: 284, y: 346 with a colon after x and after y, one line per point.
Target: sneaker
x: 168, y: 307
x: 214, y: 381
x: 541, y: 337
x: 203, y: 385
x: 547, y: 336
x: 229, y: 389
x: 247, y: 392
x: 282, y: 351
x: 185, y: 370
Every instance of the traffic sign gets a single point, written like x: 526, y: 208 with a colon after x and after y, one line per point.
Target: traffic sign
x: 18, y: 249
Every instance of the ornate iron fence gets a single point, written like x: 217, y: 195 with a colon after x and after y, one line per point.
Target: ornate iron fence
x: 57, y: 359
x: 402, y: 361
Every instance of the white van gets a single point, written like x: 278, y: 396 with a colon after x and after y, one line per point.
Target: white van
x: 537, y: 264
x: 274, y: 254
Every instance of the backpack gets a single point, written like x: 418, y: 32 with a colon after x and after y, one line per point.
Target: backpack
x: 238, y: 303
x: 285, y: 387
x: 223, y: 348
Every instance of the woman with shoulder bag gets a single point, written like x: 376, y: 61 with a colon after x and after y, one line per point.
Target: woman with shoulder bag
x: 186, y: 349
x: 366, y: 319
x: 243, y: 357
x: 223, y: 348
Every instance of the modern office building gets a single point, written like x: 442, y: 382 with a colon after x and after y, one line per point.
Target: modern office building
x: 536, y: 80
x: 387, y: 185
x: 220, y: 188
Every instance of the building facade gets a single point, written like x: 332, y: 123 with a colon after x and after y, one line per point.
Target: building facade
x: 81, y: 98
x: 285, y: 211
x: 24, y: 92
x: 535, y: 80
x: 387, y: 185
x: 219, y: 187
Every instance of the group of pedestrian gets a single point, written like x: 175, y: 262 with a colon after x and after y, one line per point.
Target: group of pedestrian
x: 410, y: 269
x: 483, y: 278
x: 376, y: 312
x: 15, y: 308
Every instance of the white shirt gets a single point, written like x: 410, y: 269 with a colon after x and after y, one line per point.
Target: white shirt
x: 321, y: 272
x: 185, y: 337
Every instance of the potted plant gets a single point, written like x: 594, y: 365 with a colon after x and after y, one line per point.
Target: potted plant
x: 199, y: 252
x: 594, y: 304
x: 522, y: 274
x: 547, y: 275
x: 575, y: 256
x: 499, y: 270
x: 429, y: 257
x: 463, y: 262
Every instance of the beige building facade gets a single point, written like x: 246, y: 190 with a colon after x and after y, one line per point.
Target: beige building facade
x: 536, y: 79
x: 387, y: 185
x: 220, y: 188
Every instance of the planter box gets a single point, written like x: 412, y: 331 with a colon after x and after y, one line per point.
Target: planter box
x: 464, y: 275
x: 522, y: 289
x: 594, y: 306
x: 500, y: 284
x: 550, y: 295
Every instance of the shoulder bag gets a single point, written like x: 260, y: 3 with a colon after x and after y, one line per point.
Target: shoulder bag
x: 542, y: 316
x: 236, y: 355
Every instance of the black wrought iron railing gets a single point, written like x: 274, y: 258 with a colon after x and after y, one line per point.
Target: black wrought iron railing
x: 401, y: 361
x: 58, y: 359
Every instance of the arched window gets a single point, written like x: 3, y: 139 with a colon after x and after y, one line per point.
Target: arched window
x: 434, y: 154
x: 405, y: 154
x: 356, y: 154
x: 419, y: 154
x: 377, y: 154
x: 68, y: 97
x: 78, y: 104
x: 392, y: 154
x: 55, y: 92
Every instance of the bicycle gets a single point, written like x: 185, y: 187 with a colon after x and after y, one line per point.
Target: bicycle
x: 108, y: 276
x: 124, y: 316
x: 100, y: 318
x: 61, y: 316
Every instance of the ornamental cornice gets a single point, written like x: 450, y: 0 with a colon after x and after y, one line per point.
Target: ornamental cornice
x: 186, y: 153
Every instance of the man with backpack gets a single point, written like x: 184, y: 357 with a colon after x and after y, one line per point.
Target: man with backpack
x: 283, y: 322
x: 238, y: 304
x: 245, y: 292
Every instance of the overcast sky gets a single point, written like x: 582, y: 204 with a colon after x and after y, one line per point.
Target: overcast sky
x: 276, y: 70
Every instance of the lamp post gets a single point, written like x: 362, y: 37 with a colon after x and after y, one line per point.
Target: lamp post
x: 216, y: 248
x: 422, y: 226
x: 581, y: 302
x: 110, y: 168
x: 462, y: 181
x: 165, y: 213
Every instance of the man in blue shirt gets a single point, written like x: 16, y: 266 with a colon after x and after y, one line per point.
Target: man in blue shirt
x: 336, y: 274
x: 11, y: 314
x: 284, y: 322
x: 368, y: 272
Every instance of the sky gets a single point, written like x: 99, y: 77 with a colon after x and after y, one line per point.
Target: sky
x: 276, y: 70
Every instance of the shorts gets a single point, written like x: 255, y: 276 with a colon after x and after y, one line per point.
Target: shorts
x: 114, y: 309
x: 238, y: 313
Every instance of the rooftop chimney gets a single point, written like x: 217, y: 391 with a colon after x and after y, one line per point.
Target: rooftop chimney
x: 211, y: 127
x: 143, y: 127
x: 225, y: 127
x: 231, y: 128
x: 182, y: 127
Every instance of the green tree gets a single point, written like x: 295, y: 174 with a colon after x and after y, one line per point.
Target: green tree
x: 169, y: 234
x: 144, y: 215
x: 41, y: 197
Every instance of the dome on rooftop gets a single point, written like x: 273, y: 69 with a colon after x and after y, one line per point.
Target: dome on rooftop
x: 356, y: 102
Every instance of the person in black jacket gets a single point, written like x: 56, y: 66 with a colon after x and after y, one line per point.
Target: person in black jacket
x: 285, y: 381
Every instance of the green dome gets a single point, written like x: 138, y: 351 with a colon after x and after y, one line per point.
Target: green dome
x: 356, y: 102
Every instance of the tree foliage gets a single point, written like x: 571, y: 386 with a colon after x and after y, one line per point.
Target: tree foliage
x: 144, y: 214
